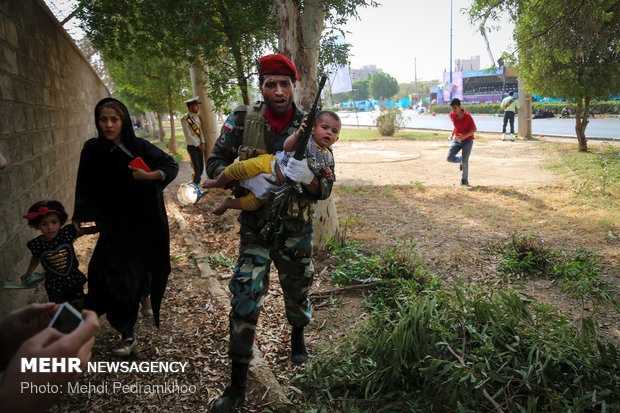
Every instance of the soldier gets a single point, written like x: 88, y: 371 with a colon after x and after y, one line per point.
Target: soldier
x: 194, y: 137
x: 248, y: 132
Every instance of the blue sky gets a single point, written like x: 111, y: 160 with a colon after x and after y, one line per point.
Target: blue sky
x: 399, y: 31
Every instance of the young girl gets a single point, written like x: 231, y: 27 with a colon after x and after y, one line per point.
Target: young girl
x: 325, y: 132
x: 54, y: 250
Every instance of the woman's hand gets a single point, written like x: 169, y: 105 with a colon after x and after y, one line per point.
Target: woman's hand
x: 78, y: 227
x: 142, y: 175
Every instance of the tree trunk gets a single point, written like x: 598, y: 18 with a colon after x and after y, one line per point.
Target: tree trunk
x: 160, y: 122
x: 326, y: 225
x: 299, y: 39
x: 207, y: 115
x: 172, y: 143
x: 581, y: 122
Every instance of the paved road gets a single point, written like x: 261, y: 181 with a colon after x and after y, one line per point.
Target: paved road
x: 608, y: 128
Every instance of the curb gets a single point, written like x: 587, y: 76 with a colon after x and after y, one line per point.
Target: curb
x: 261, y: 375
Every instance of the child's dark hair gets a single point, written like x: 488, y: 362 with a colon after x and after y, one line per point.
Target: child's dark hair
x: 329, y: 113
x: 36, y: 214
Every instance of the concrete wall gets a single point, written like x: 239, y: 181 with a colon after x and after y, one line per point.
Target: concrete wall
x: 48, y: 91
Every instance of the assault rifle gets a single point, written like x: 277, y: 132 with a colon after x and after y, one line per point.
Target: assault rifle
x: 281, y: 198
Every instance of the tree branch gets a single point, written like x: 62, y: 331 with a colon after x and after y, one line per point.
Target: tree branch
x: 327, y: 293
x: 486, y: 395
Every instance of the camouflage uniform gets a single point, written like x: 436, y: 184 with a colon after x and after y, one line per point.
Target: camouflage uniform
x: 290, y: 252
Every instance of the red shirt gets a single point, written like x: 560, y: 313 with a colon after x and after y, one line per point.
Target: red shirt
x: 464, y: 124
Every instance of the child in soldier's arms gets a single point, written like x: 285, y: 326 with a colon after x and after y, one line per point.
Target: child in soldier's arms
x: 318, y: 154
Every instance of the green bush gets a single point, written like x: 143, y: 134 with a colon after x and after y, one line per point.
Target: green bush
x: 526, y: 255
x: 469, y: 350
x: 611, y: 107
x: 389, y: 121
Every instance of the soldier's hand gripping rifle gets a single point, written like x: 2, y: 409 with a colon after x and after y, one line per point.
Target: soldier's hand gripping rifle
x: 282, y: 197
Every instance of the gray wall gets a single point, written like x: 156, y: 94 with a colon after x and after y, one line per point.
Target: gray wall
x: 47, y: 94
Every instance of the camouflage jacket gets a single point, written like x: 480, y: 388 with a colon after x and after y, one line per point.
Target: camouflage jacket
x: 231, y: 143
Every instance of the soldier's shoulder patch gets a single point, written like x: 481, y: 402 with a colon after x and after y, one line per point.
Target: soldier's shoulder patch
x: 228, y: 125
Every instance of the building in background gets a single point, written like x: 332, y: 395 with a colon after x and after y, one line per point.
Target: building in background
x: 476, y: 86
x: 357, y: 74
x: 461, y: 65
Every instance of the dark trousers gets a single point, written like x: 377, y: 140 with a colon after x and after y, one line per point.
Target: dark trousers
x: 197, y: 160
x: 509, y: 116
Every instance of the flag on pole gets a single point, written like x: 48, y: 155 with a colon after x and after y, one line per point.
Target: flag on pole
x: 339, y: 76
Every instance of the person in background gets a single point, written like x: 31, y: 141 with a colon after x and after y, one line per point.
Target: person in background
x: 510, y: 104
x: 194, y: 138
x: 132, y: 255
x: 464, y: 129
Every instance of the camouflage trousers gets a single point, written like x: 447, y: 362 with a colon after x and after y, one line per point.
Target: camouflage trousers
x: 291, y: 254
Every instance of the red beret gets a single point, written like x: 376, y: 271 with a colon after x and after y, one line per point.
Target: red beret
x: 277, y: 64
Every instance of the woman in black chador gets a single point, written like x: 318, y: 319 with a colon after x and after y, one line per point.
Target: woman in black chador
x: 126, y: 203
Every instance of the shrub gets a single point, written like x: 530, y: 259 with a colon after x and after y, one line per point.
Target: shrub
x: 525, y: 255
x: 469, y: 350
x: 611, y: 107
x: 389, y: 121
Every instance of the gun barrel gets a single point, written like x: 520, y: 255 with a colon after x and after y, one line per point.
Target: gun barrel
x: 303, y: 139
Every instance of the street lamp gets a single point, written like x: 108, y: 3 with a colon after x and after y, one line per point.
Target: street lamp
x: 450, y: 50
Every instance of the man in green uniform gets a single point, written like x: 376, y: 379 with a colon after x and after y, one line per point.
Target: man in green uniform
x: 247, y: 132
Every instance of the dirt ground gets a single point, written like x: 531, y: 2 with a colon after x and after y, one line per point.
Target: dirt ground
x: 491, y: 163
x: 408, y: 192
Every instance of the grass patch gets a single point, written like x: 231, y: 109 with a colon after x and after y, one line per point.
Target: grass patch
x: 526, y: 255
x: 592, y: 174
x: 371, y: 134
x: 181, y: 154
x: 469, y: 349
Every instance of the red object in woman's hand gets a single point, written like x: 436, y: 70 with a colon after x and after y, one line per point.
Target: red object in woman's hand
x: 139, y: 163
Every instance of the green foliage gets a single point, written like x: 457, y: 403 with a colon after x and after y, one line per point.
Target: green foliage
x: 525, y: 255
x: 382, y: 86
x: 611, y: 107
x: 356, y: 263
x: 594, y: 173
x: 439, y: 352
x: 151, y: 84
x: 580, y: 278
x: 355, y: 134
x: 389, y: 121
x: 360, y: 90
x: 565, y: 49
x: 219, y: 260
x: 227, y: 35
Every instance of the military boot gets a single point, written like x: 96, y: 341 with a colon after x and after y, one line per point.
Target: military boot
x: 299, y: 354
x: 233, y: 395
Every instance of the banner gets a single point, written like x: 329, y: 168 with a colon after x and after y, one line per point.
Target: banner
x: 339, y: 76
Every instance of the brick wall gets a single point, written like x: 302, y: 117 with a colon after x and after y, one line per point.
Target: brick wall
x: 48, y: 91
